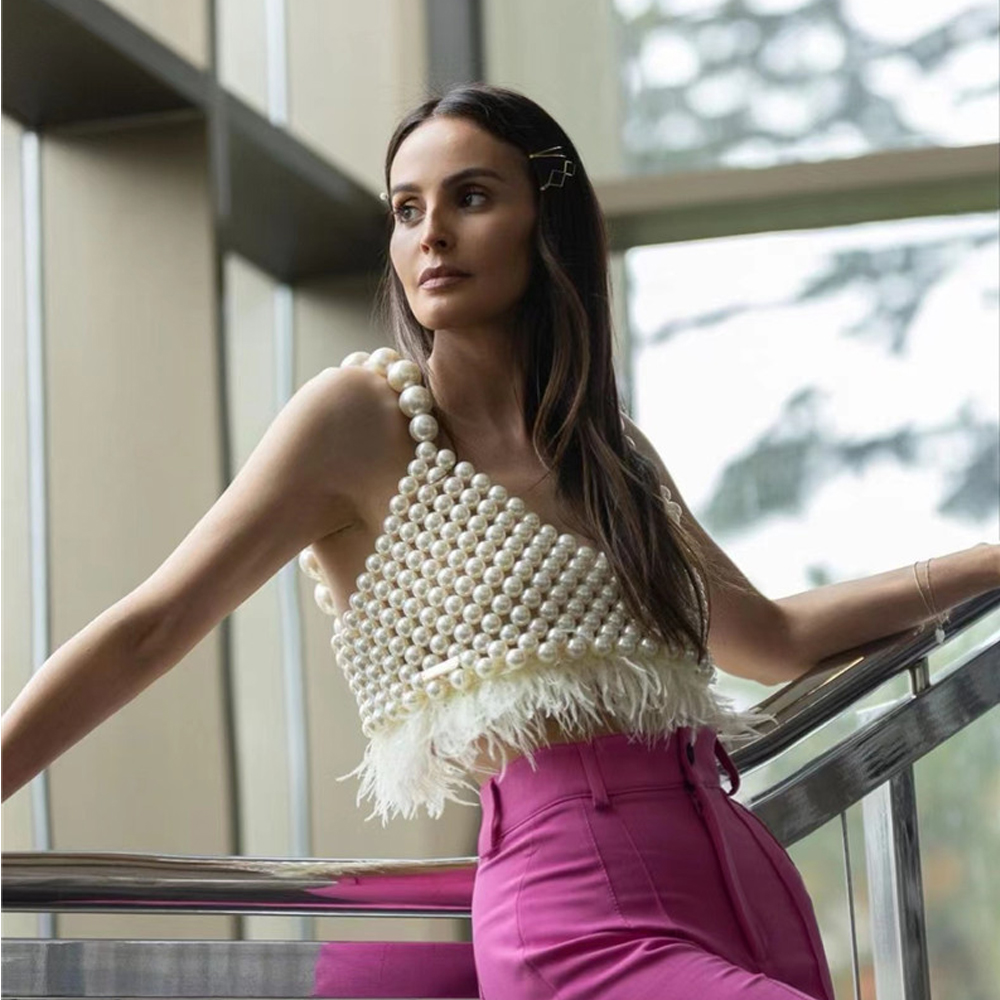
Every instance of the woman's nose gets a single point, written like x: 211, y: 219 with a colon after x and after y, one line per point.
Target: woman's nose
x: 435, y: 231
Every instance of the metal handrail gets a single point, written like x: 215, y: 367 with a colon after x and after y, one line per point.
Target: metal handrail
x: 442, y: 887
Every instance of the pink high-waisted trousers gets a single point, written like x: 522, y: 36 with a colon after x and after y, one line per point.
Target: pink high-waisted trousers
x: 619, y: 871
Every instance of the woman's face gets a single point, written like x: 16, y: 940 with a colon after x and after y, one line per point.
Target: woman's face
x: 463, y: 199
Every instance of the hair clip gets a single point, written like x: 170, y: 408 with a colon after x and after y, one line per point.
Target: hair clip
x: 558, y: 175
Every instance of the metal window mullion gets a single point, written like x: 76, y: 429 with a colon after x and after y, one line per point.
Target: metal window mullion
x: 882, y: 186
x: 38, y: 510
x: 275, y: 15
x: 290, y: 617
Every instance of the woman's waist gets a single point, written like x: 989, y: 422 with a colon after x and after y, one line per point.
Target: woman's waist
x: 626, y: 759
x: 614, y: 762
x: 491, y: 763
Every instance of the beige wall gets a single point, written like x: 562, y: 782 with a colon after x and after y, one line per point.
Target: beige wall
x: 353, y: 70
x: 562, y: 54
x: 258, y: 689
x: 132, y: 462
x: 182, y: 25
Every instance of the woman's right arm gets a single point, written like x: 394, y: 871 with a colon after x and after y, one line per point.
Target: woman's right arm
x: 300, y: 484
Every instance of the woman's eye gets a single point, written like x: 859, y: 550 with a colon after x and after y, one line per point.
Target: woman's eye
x: 399, y: 212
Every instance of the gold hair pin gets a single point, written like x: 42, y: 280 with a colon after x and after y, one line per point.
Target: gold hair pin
x: 558, y: 175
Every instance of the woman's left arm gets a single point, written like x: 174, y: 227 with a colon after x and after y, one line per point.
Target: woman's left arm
x: 776, y: 641
x: 839, y: 616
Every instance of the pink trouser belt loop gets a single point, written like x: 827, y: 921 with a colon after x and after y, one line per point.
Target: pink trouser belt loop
x: 598, y: 789
x: 707, y: 805
x: 492, y: 817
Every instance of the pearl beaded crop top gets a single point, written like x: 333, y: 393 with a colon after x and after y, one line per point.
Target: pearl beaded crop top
x: 473, y: 622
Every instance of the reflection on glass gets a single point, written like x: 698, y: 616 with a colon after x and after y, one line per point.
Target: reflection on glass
x: 761, y: 82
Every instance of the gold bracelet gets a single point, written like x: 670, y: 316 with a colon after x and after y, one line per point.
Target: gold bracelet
x: 920, y: 589
x: 939, y: 617
x: 930, y: 589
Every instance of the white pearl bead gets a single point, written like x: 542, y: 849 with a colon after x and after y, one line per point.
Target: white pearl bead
x: 403, y: 373
x: 446, y: 458
x: 531, y: 597
x: 423, y: 427
x: 516, y: 659
x: 520, y: 615
x: 416, y: 400
x: 576, y: 647
x: 309, y: 564
x: 380, y: 359
x: 486, y: 668
x: 501, y: 604
x: 355, y: 359
x: 528, y: 642
x: 491, y: 624
x: 496, y: 649
x: 465, y: 470
x: 324, y: 599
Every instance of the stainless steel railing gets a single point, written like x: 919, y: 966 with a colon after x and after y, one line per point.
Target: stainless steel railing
x: 873, y: 764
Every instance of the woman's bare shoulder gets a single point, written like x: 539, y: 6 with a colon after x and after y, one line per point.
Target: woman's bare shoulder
x: 357, y: 422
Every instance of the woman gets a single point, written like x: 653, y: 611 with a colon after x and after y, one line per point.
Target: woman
x: 539, y: 632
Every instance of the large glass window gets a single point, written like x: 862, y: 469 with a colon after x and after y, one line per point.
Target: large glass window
x: 827, y: 401
x: 752, y: 83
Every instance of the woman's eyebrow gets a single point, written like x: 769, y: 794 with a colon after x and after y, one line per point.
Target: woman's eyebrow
x: 453, y: 179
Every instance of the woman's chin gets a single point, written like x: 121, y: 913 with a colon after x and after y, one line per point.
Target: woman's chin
x: 449, y: 319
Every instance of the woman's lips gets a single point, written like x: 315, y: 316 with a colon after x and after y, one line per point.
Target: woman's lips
x: 445, y: 281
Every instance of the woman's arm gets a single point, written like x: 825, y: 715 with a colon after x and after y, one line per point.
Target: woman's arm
x: 776, y: 641
x: 839, y: 616
x: 299, y: 485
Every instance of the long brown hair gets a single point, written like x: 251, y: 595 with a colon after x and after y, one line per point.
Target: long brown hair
x: 563, y: 346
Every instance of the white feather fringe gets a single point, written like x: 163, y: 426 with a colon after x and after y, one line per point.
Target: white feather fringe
x: 426, y: 758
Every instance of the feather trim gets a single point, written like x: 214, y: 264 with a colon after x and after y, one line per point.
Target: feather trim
x: 425, y: 758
